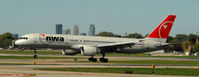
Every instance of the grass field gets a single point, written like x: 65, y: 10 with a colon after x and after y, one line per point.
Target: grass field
x: 26, y: 64
x: 43, y: 52
x: 30, y: 52
x: 156, y: 71
x: 146, y: 62
x: 192, y: 57
x: 158, y: 62
x: 138, y: 62
x: 40, y: 57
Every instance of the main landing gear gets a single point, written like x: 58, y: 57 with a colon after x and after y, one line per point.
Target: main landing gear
x: 92, y: 59
x: 102, y: 59
x: 35, y: 54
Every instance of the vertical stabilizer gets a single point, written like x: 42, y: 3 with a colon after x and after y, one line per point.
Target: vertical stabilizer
x: 161, y: 33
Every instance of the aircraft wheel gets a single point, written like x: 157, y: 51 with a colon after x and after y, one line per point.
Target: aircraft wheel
x: 104, y: 60
x: 92, y: 59
x: 35, y: 56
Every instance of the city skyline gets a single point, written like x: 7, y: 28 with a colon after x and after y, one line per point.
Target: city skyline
x: 75, y: 30
x: 117, y: 16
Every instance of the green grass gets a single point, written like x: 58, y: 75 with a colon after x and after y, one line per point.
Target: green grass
x: 147, y: 62
x: 43, y: 52
x: 136, y: 62
x: 21, y: 64
x: 30, y: 52
x: 191, y: 57
x: 157, y: 71
x: 39, y: 57
x: 158, y: 62
x: 37, y: 63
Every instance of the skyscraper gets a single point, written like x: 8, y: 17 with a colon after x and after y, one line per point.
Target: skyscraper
x: 91, y: 31
x: 75, y: 30
x: 58, y: 28
x: 66, y: 31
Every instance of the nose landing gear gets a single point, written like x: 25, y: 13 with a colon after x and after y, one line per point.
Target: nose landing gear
x: 35, y: 53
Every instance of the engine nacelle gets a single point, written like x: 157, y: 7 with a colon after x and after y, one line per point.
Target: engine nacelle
x: 69, y: 52
x: 88, y: 50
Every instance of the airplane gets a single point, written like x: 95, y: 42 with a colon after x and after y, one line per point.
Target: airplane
x: 92, y: 45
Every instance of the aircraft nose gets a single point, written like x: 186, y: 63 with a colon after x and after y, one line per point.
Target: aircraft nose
x: 18, y: 42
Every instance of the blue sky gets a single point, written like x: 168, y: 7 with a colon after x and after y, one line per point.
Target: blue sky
x: 117, y: 16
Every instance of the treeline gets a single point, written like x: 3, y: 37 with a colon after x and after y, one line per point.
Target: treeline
x: 6, y: 40
x: 182, y: 41
x: 110, y: 34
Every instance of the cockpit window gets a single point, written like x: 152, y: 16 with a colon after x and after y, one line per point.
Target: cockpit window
x: 23, y: 38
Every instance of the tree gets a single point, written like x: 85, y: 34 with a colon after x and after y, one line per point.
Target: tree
x: 116, y: 35
x: 107, y: 34
x: 7, y: 36
x: 186, y: 44
x: 135, y: 35
x: 192, y: 38
x: 1, y: 38
x: 181, y: 37
x: 196, y: 47
x: 176, y: 47
x: 146, y: 35
x: 169, y: 39
x: 6, y: 39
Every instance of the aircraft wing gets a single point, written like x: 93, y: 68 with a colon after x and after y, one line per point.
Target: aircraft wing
x: 121, y: 44
x: 166, y: 45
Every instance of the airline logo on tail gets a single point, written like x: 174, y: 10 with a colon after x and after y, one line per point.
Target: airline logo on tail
x: 163, y: 30
x: 165, y: 26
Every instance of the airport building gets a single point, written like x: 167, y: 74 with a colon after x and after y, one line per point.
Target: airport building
x: 91, y: 30
x: 75, y: 30
x: 66, y: 31
x: 58, y: 28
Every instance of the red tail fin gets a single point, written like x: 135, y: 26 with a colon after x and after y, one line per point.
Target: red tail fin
x: 163, y: 30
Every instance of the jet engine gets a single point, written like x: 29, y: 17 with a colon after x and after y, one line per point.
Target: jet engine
x: 88, y: 50
x: 69, y: 52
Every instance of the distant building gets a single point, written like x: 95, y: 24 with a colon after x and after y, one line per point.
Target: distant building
x: 58, y: 28
x: 91, y: 31
x: 15, y: 35
x: 66, y: 31
x: 83, y: 34
x: 75, y: 30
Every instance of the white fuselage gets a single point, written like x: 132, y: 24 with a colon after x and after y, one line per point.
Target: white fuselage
x: 74, y: 42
